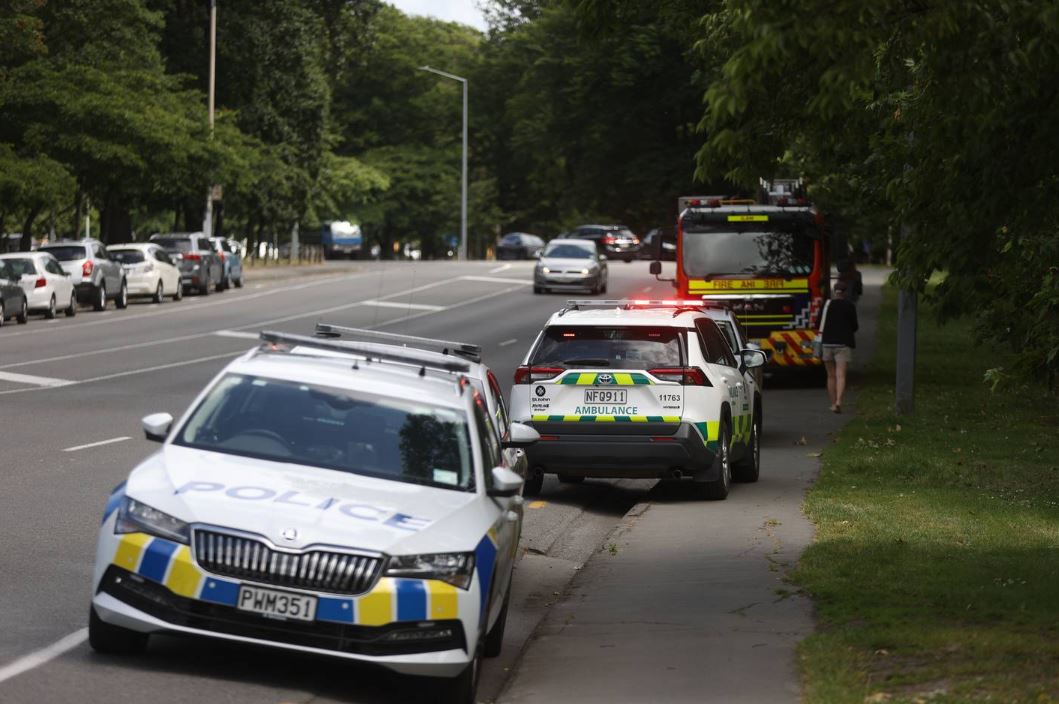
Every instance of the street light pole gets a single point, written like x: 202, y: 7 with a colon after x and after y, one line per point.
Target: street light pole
x: 207, y: 221
x: 463, y: 186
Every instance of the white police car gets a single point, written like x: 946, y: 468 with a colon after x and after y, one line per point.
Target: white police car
x: 643, y: 389
x: 326, y: 497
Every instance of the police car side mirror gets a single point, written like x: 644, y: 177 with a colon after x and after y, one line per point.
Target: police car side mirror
x: 656, y: 268
x: 156, y: 426
x: 505, y: 482
x: 520, y: 435
x: 752, y: 359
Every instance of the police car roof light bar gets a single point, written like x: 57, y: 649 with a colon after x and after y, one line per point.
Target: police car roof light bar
x: 463, y: 349
x: 370, y: 351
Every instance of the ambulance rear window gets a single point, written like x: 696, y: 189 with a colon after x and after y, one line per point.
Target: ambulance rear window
x: 614, y: 347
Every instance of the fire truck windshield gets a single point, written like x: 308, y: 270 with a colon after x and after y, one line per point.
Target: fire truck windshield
x: 730, y: 251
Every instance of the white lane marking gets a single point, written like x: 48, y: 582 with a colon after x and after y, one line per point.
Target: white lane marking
x: 172, y: 310
x: 505, y: 343
x: 496, y: 280
x: 134, y: 372
x: 406, y: 306
x: 44, y: 655
x: 35, y: 380
x: 101, y: 443
x: 239, y: 334
x: 502, y: 267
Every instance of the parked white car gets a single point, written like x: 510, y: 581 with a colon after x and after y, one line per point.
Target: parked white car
x: 48, y: 288
x: 149, y: 270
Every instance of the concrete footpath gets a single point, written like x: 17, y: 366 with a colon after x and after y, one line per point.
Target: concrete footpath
x: 687, y: 601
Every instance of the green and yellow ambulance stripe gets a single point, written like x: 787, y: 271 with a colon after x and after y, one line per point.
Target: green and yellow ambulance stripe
x: 619, y: 379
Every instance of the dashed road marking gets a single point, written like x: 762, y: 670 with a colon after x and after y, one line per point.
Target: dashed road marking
x: 505, y: 343
x: 34, y: 380
x: 101, y: 443
x: 502, y: 267
x: 44, y: 655
x: 239, y: 334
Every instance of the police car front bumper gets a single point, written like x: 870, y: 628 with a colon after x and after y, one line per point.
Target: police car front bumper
x: 127, y: 600
x: 623, y: 450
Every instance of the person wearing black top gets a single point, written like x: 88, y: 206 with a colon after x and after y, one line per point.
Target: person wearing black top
x: 840, y: 325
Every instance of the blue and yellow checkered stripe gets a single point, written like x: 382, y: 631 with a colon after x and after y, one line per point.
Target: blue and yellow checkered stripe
x: 617, y: 379
x: 607, y: 419
x: 392, y: 600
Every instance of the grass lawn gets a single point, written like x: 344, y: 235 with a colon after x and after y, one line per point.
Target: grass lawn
x: 935, y: 570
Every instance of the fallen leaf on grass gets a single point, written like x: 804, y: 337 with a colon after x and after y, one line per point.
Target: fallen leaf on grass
x: 877, y: 697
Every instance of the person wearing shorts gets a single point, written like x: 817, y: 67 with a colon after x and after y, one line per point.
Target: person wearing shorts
x: 838, y: 335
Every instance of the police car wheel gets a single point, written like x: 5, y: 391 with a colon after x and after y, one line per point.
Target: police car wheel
x: 494, y: 640
x: 113, y: 640
x: 538, y: 289
x: 463, y: 689
x: 571, y: 478
x: 717, y: 490
x: 534, y: 483
x: 749, y: 467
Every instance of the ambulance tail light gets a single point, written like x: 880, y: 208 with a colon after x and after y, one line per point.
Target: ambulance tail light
x: 688, y: 376
x: 529, y: 375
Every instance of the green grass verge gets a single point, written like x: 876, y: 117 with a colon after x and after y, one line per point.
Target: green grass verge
x: 935, y: 570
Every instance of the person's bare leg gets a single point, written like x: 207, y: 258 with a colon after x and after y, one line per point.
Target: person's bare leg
x: 840, y: 382
x: 831, y: 382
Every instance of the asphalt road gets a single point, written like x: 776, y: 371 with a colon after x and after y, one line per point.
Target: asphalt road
x: 72, y: 392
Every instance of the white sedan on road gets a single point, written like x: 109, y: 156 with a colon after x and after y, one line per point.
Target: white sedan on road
x: 149, y: 270
x: 48, y: 288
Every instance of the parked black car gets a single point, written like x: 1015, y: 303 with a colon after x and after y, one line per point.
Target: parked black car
x: 519, y: 245
x: 614, y: 241
x: 649, y: 245
x: 13, y: 302
x: 200, y: 266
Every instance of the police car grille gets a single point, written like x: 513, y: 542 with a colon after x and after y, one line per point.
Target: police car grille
x: 321, y: 570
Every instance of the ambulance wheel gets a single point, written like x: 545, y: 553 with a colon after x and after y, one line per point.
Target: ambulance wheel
x: 571, y: 478
x: 717, y: 490
x: 494, y: 640
x: 113, y: 640
x: 534, y: 483
x: 748, y: 468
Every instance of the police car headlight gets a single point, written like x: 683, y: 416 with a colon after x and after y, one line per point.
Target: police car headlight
x: 137, y: 517
x: 454, y: 568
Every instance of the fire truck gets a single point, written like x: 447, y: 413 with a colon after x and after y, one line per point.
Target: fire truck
x: 766, y: 259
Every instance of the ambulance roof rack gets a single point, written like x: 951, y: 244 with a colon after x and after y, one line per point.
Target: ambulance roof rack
x: 466, y: 350
x: 676, y: 305
x: 277, y: 341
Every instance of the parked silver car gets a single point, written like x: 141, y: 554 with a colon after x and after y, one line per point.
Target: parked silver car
x: 200, y: 267
x: 96, y: 276
x: 232, y: 260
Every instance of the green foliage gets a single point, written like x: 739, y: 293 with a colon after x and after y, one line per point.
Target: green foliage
x: 934, y: 115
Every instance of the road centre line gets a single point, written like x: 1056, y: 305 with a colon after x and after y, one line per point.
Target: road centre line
x: 397, y: 304
x: 133, y: 372
x: 505, y: 343
x: 502, y: 267
x: 497, y: 280
x: 44, y: 655
x: 236, y: 332
x: 101, y: 443
x: 35, y: 380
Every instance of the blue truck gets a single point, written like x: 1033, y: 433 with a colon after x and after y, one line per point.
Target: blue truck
x: 341, y: 238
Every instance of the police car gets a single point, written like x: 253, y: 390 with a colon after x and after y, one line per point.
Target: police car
x: 481, y: 376
x: 323, y: 496
x: 642, y: 389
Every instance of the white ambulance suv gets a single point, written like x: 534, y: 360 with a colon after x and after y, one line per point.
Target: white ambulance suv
x: 322, y: 496
x: 639, y: 389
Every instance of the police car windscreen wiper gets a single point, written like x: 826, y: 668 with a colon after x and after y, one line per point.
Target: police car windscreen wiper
x: 593, y: 362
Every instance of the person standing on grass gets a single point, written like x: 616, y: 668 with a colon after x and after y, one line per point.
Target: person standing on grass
x: 839, y: 326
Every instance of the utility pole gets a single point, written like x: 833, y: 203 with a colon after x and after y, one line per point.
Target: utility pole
x: 463, y: 187
x: 907, y: 324
x: 207, y: 221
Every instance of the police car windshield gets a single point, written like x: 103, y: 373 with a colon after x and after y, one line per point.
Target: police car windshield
x: 757, y: 252
x: 632, y: 347
x: 336, y: 429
